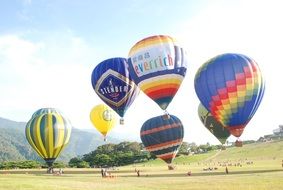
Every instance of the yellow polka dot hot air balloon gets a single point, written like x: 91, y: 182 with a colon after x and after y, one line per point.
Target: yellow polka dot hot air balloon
x: 103, y: 119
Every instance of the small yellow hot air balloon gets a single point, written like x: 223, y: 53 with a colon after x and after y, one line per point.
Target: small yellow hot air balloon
x: 103, y: 119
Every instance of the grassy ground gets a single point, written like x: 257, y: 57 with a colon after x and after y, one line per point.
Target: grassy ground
x: 151, y: 178
x: 265, y: 172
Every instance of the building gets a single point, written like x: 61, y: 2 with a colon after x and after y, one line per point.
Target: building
x: 278, y: 131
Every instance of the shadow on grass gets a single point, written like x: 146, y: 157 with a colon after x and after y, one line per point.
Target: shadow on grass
x: 42, y: 172
x: 204, y: 173
x: 130, y: 173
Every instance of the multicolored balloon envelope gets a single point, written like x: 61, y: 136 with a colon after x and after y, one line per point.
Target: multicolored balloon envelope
x: 158, y: 66
x: 216, y: 128
x: 163, y: 136
x: 103, y: 119
x: 48, y: 132
x: 112, y: 83
x: 231, y: 87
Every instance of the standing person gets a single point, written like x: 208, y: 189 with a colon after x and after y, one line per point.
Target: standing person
x: 103, y: 172
x: 138, y: 173
x: 226, y: 170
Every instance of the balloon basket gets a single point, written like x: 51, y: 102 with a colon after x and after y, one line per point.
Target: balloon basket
x: 50, y: 170
x: 166, y: 116
x: 122, y: 121
x: 238, y: 143
x: 171, y: 167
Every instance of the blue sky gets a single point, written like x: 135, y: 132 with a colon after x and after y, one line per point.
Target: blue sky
x: 49, y: 48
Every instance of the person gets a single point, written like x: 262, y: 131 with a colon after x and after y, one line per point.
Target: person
x: 138, y: 173
x: 60, y: 171
x: 50, y: 170
x: 102, y: 172
x: 226, y: 170
x: 189, y: 173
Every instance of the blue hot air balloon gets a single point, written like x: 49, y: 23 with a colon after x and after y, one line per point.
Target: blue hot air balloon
x: 113, y: 84
x: 230, y: 86
x: 163, y: 136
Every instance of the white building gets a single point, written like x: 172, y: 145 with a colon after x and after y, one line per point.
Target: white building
x: 278, y: 131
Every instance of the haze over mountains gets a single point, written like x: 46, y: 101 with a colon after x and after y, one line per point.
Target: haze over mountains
x: 14, y: 146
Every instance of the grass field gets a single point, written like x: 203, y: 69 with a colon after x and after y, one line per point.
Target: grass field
x: 265, y: 172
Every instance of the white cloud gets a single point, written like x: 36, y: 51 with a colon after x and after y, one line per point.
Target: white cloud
x: 33, y: 75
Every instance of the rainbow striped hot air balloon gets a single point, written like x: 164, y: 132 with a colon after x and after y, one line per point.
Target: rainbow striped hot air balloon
x: 158, y: 66
x: 48, y: 132
x: 230, y: 86
x: 163, y: 137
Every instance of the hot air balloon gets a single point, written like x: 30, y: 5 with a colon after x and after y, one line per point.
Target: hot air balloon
x: 103, y: 118
x: 231, y: 87
x: 216, y: 128
x: 163, y: 137
x: 158, y: 66
x: 48, y: 132
x: 112, y: 83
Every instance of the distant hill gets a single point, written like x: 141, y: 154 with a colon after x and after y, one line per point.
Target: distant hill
x: 14, y: 146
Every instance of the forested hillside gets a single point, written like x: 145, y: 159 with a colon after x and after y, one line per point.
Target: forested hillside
x: 14, y: 146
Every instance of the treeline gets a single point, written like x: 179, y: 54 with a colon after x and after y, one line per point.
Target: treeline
x: 28, y: 164
x: 110, y: 155
x: 125, y: 153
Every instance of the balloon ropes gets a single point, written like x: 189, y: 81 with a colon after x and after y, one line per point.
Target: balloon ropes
x: 103, y: 119
x: 158, y: 66
x: 48, y: 132
x: 230, y: 86
x: 113, y: 84
x: 163, y: 137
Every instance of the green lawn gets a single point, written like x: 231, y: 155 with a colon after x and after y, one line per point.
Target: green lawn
x: 266, y: 172
x: 151, y: 178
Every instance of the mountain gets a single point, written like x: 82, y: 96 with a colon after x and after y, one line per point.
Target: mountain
x: 14, y: 146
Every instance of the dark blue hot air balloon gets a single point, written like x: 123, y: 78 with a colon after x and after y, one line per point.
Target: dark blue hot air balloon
x: 230, y: 86
x: 162, y: 136
x: 112, y: 83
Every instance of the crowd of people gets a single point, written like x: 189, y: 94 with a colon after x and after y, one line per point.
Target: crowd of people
x: 105, y: 173
x: 51, y: 170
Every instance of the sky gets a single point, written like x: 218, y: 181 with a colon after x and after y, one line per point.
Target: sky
x: 49, y: 48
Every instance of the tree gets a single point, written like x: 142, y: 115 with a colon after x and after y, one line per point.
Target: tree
x: 105, y: 149
x: 82, y: 164
x: 78, y: 163
x: 74, y: 162
x: 184, y: 149
x: 102, y: 160
x: 27, y: 164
